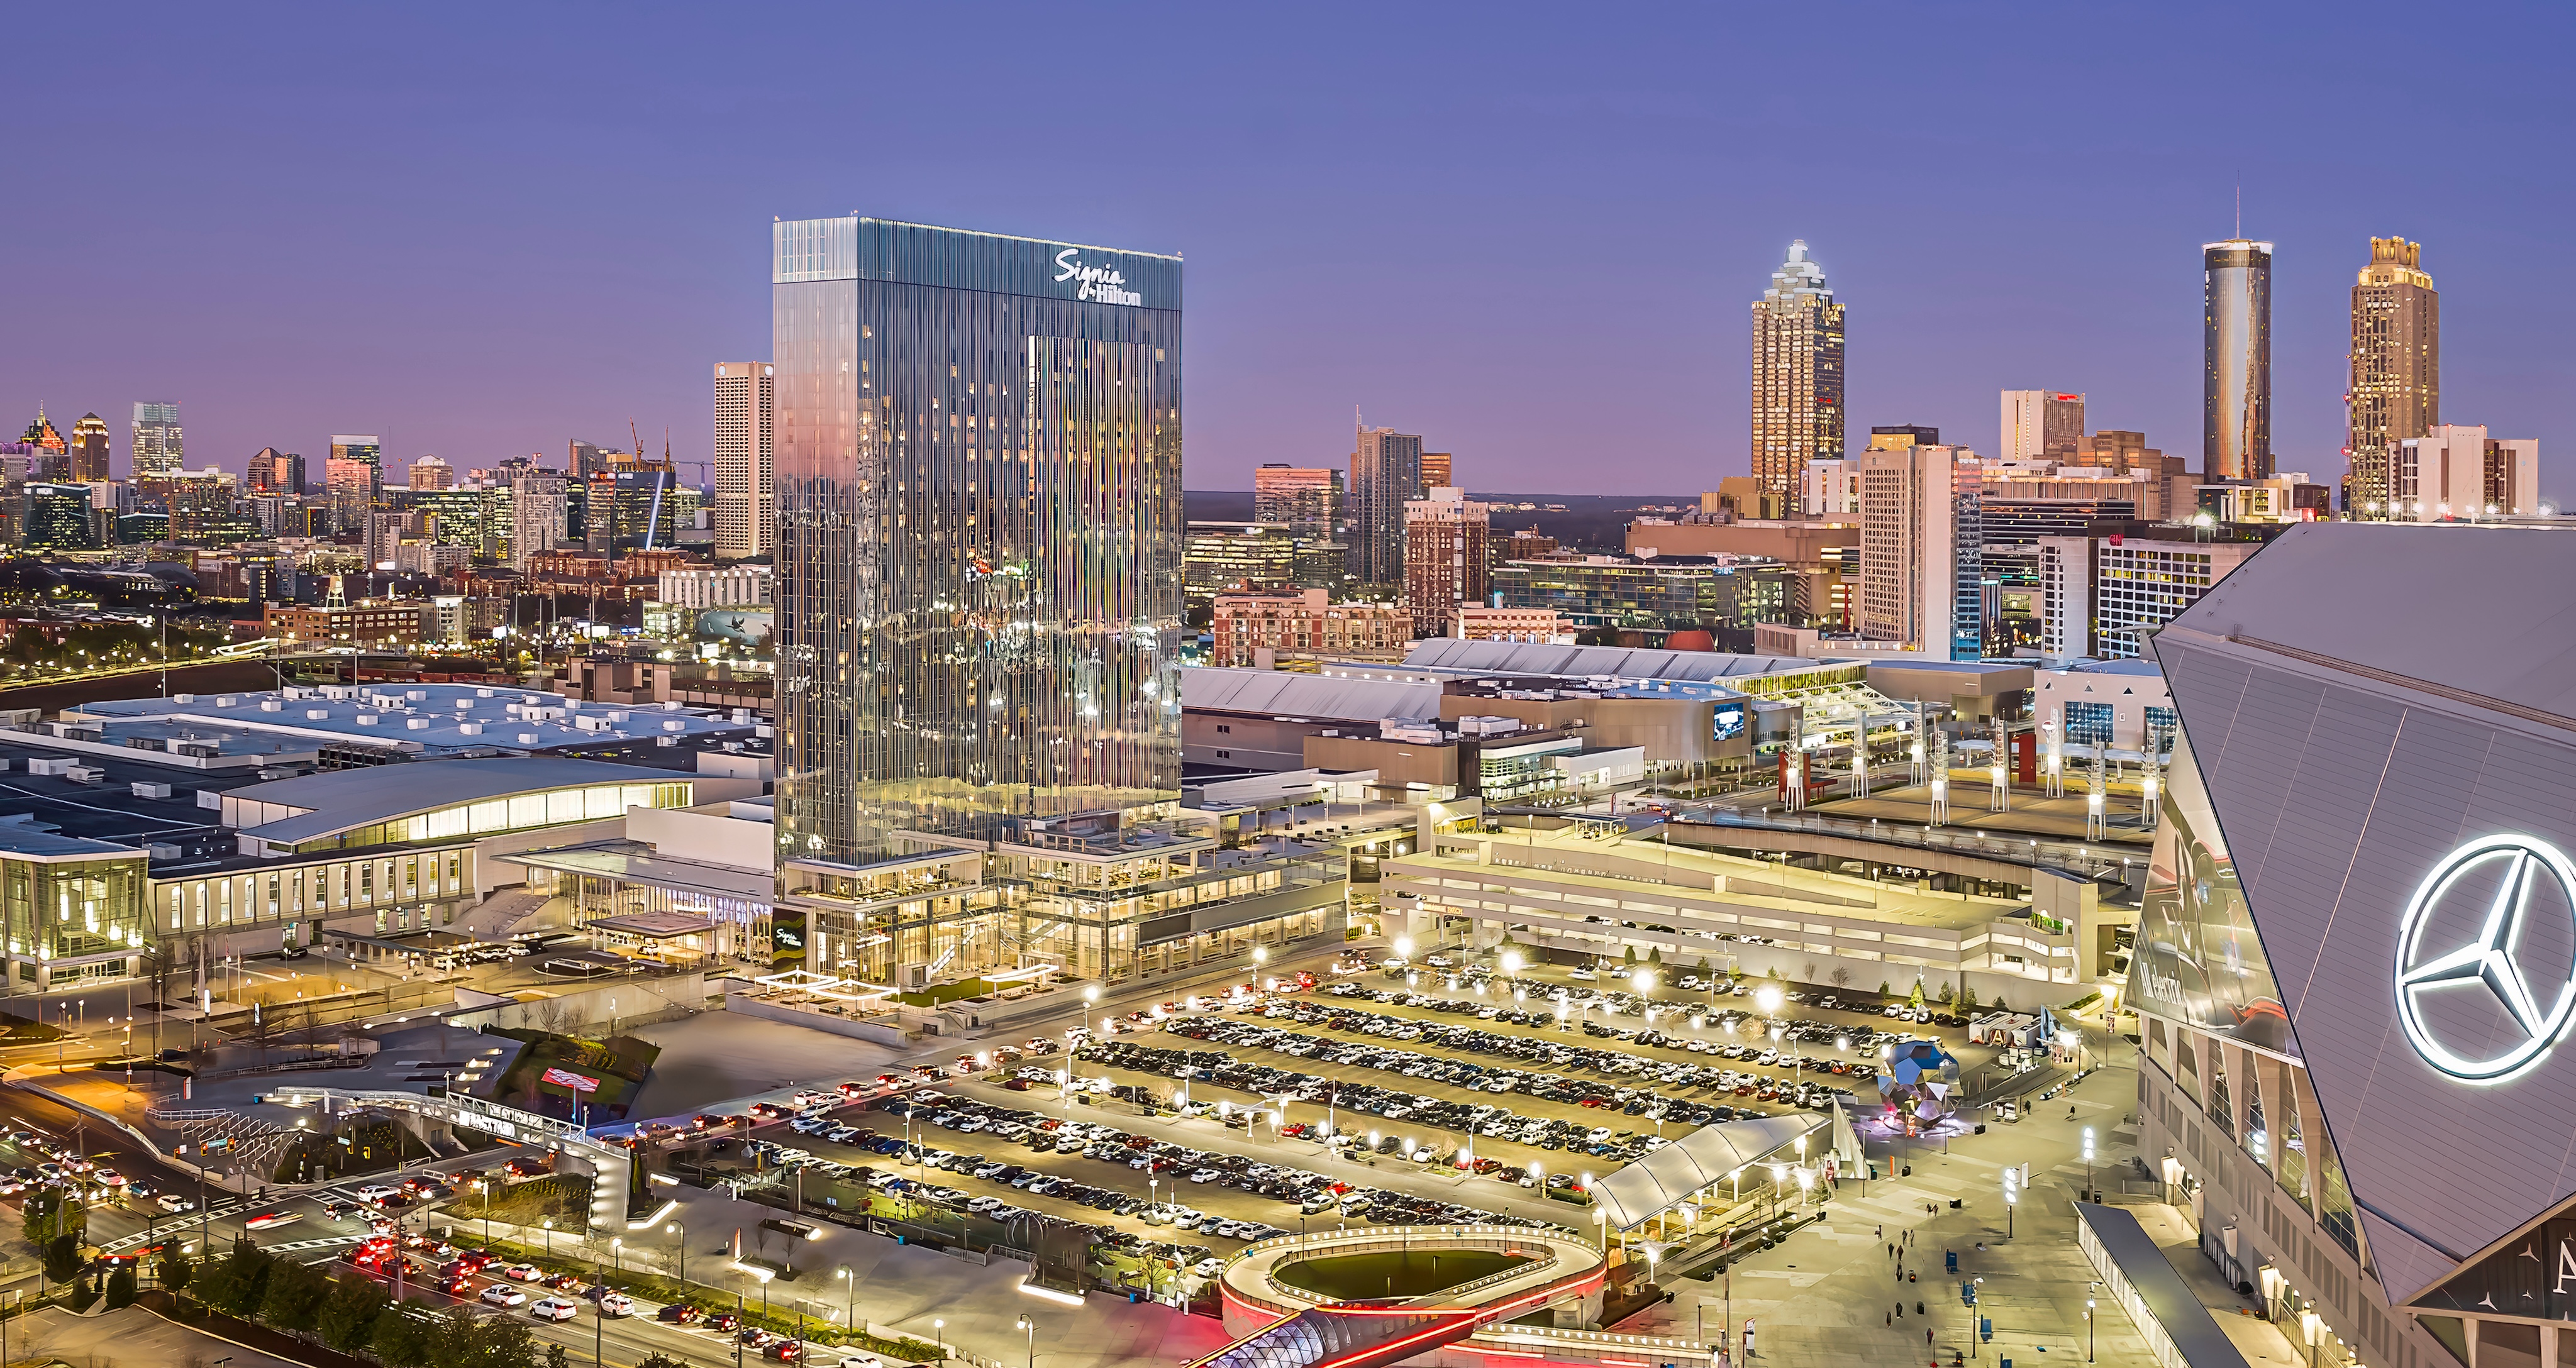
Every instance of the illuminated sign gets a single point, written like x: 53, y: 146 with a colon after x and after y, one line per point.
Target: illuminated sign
x: 2489, y: 964
x: 1729, y: 721
x: 565, y: 1078
x: 1102, y: 283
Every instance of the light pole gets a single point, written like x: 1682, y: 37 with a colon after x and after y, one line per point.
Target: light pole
x: 549, y: 1224
x: 850, y: 1308
x: 1029, y: 1324
x: 2012, y: 1196
x: 679, y: 1250
x: 2088, y: 1163
x: 939, y: 1336
x: 2088, y: 1323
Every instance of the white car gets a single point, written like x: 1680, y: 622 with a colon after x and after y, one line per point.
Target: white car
x: 1204, y: 1176
x: 616, y: 1304
x: 173, y: 1203
x: 1207, y: 1268
x: 553, y: 1309
x: 523, y: 1272
x: 860, y: 1361
x: 502, y: 1294
x: 374, y: 1193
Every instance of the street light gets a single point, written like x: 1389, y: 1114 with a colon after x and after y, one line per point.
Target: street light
x: 1029, y: 1324
x: 2088, y: 1322
x: 850, y: 1310
x: 678, y: 1248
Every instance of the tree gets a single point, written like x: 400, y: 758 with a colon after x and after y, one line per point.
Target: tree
x: 84, y: 1294
x: 1771, y: 973
x: 1703, y: 966
x: 1841, y: 976
x: 1914, y: 999
x: 63, y: 1258
x: 176, y: 1269
x: 293, y: 1296
x: 1655, y: 957
x: 1945, y: 995
x: 237, y: 1283
x: 1882, y: 988
x: 400, y: 1334
x: 1629, y: 958
x: 503, y: 1342
x: 557, y: 1358
x: 49, y: 1216
x: 1807, y: 972
x: 120, y: 1288
x: 349, y: 1312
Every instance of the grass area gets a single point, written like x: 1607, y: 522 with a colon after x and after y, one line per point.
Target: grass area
x: 654, y: 1288
x: 618, y: 1064
x: 1412, y: 1273
x: 561, y: 1196
x: 947, y: 992
x: 18, y: 1030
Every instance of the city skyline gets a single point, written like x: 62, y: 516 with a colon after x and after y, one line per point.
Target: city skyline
x: 250, y: 309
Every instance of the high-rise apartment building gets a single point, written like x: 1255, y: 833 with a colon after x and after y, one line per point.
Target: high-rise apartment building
x: 2040, y: 425
x: 159, y: 446
x: 2396, y: 390
x: 540, y: 513
x: 2236, y: 360
x: 1445, y: 557
x: 89, y: 449
x: 276, y: 472
x: 1307, y: 500
x: 746, y: 500
x: 979, y: 541
x: 2457, y: 471
x: 1797, y: 380
x: 429, y: 472
x: 1831, y: 489
x: 1921, y: 552
x: 1386, y: 474
x: 1436, y: 472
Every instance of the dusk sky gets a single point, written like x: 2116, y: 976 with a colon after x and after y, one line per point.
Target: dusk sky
x: 1529, y: 233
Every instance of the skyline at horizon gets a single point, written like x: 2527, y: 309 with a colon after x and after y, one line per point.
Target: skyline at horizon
x: 1565, y: 233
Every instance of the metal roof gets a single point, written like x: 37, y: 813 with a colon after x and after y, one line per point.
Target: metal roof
x: 342, y: 799
x: 1636, y: 1191
x: 421, y: 718
x: 1281, y: 694
x: 1513, y: 657
x: 2141, y: 1271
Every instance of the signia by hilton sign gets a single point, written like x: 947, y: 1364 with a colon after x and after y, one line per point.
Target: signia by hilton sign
x: 1102, y: 283
x: 2490, y: 963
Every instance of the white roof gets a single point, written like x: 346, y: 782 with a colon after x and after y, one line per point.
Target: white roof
x: 1515, y: 657
x: 1633, y: 1192
x: 1321, y: 697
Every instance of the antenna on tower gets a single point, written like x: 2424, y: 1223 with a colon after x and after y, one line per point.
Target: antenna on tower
x: 2240, y: 210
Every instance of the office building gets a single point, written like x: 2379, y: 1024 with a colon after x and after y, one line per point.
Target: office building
x: 2040, y: 425
x: 1307, y: 500
x: 2105, y: 590
x: 2236, y: 360
x: 89, y: 449
x: 1527, y: 544
x: 349, y: 492
x: 2457, y: 471
x: 44, y: 436
x: 1435, y: 472
x: 722, y: 586
x: 1722, y: 595
x: 979, y: 509
x: 57, y: 518
x: 1922, y: 558
x: 631, y: 506
x: 2396, y: 389
x: 1264, y: 630
x: 2352, y: 952
x: 746, y: 500
x: 540, y: 513
x: 1897, y: 436
x: 429, y: 472
x: 1797, y: 380
x: 1218, y: 558
x: 1538, y: 626
x: 1831, y: 488
x: 159, y: 445
x: 1445, y: 557
x: 275, y: 472
x: 1386, y: 472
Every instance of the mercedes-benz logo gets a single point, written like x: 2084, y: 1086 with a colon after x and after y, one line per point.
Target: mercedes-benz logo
x: 2490, y: 961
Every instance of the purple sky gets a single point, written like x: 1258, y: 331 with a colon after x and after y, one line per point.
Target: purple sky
x: 1529, y: 233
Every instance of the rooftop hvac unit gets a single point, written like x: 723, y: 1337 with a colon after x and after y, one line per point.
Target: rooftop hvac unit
x: 183, y: 698
x: 317, y: 714
x: 416, y: 723
x: 144, y: 790
x: 527, y: 738
x: 271, y: 705
x: 470, y: 728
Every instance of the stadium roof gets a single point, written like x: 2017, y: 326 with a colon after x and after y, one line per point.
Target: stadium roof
x: 1319, y: 697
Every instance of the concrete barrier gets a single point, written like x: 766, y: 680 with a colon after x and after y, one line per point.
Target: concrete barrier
x: 882, y: 1031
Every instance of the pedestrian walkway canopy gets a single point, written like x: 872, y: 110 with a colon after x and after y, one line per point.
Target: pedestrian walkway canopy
x: 2177, y: 1327
x: 1637, y: 1192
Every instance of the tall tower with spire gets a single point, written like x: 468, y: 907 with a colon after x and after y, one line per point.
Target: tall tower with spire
x: 1797, y: 379
x: 2396, y: 390
x: 41, y: 433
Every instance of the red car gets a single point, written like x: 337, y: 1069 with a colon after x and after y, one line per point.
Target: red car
x: 785, y: 1351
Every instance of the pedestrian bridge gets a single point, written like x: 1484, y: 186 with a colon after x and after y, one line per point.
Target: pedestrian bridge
x: 1279, y: 1323
x: 611, y: 1164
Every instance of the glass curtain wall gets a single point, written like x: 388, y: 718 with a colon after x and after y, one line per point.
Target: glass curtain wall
x: 979, y: 509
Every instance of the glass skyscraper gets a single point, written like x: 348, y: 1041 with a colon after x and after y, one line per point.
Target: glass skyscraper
x: 160, y: 447
x: 978, y: 471
x: 2236, y: 378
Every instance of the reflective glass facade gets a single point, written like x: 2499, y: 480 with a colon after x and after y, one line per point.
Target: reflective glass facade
x: 2236, y: 384
x: 980, y: 532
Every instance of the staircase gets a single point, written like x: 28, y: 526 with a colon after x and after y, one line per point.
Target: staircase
x: 499, y: 915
